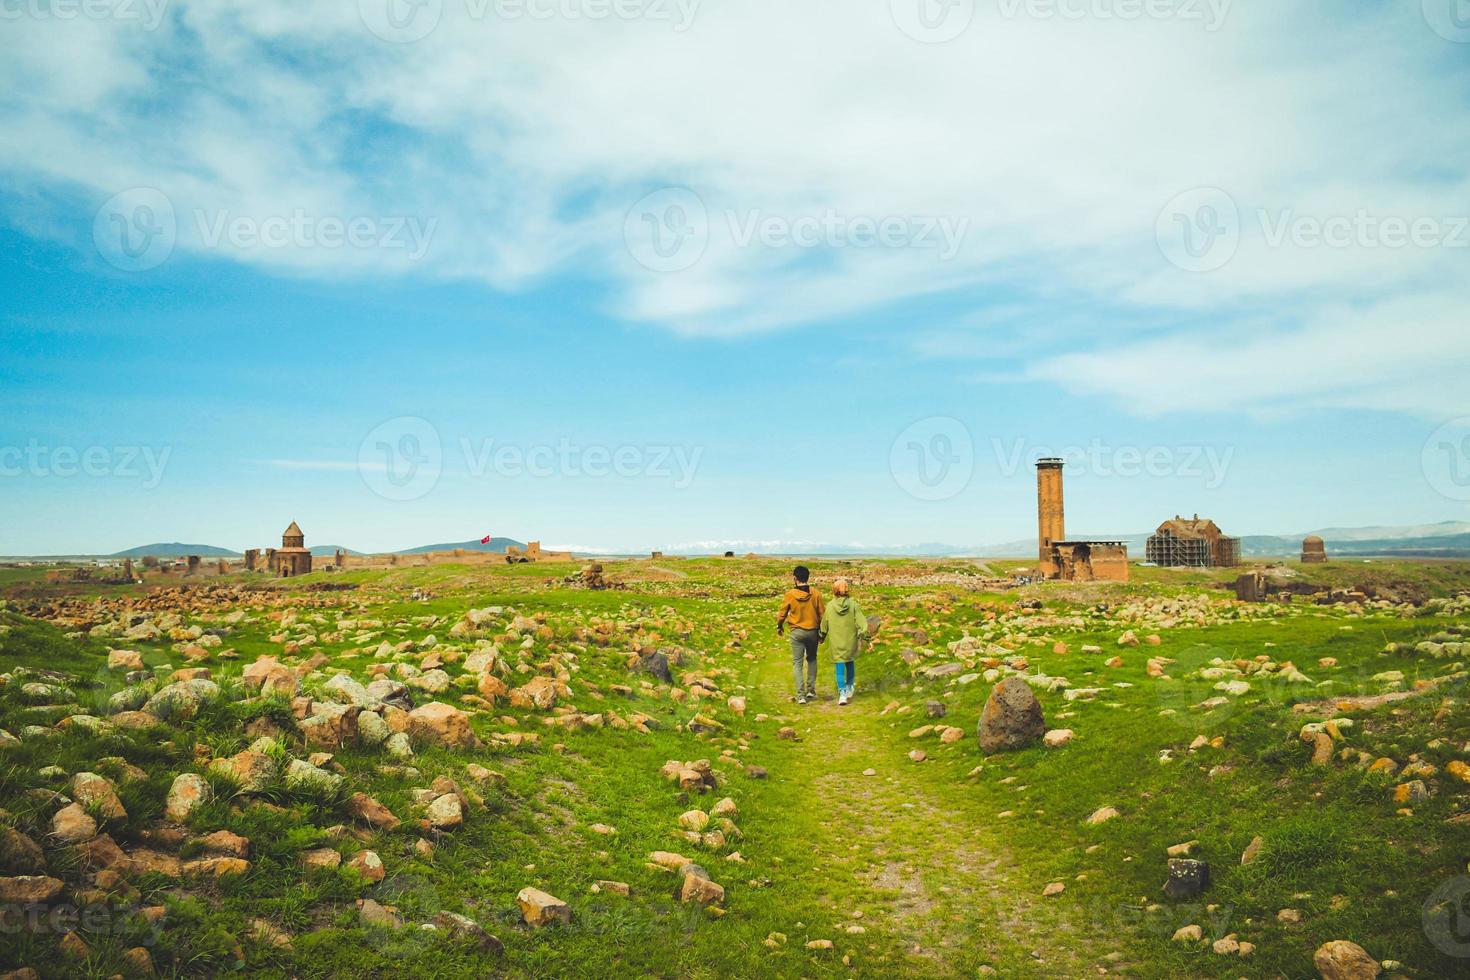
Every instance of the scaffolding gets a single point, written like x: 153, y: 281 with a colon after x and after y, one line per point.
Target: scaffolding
x: 1172, y: 551
x: 1175, y: 551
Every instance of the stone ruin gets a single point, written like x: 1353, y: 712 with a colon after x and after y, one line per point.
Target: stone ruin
x: 1071, y: 561
x: 590, y: 577
x: 1251, y: 587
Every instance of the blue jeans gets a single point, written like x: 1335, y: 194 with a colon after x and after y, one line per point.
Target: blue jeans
x: 846, y: 677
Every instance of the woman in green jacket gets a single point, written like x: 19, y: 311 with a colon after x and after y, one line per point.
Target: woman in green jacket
x: 845, y: 629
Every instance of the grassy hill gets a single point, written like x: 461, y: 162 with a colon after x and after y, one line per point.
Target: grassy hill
x: 870, y: 840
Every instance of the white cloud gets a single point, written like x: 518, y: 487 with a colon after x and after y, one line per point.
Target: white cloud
x: 1057, y: 141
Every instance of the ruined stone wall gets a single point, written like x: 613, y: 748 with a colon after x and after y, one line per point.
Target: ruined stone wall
x: 1110, y: 563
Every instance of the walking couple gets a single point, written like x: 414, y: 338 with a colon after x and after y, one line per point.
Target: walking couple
x: 839, y: 623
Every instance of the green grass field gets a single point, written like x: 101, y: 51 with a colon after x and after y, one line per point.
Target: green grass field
x: 906, y: 868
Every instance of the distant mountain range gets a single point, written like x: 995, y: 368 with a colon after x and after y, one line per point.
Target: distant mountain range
x: 176, y: 550
x: 496, y: 545
x: 1448, y: 539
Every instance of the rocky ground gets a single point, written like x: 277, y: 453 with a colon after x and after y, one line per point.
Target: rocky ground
x: 448, y: 770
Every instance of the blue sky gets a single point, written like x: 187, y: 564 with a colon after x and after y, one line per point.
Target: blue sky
x: 694, y: 284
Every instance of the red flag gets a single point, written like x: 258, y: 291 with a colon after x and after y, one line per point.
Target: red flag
x: 485, y: 539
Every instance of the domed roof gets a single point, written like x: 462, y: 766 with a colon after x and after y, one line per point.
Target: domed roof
x: 1312, y: 539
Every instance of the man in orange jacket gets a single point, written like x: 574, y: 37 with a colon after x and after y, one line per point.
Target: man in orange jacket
x: 801, y: 609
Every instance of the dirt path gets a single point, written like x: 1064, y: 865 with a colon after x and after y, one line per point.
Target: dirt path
x: 910, y: 851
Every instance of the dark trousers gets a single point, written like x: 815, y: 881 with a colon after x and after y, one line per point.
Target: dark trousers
x: 804, y: 648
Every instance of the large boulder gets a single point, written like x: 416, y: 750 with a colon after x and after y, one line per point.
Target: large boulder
x: 19, y: 854
x: 251, y: 772
x: 441, y: 724
x: 1012, y: 718
x: 345, y: 690
x: 182, y: 700
x: 72, y: 825
x: 97, y: 794
x: 1342, y: 960
x: 539, y: 908
x: 538, y: 693
x: 269, y: 676
x: 188, y: 792
x: 656, y: 664
x: 331, y: 726
x: 29, y: 890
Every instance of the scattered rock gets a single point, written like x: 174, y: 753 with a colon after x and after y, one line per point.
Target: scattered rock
x: 1058, y: 737
x: 1187, y: 878
x: 365, y: 809
x: 96, y: 793
x: 373, y: 914
x: 1343, y: 960
x: 440, y: 724
x: 369, y: 865
x: 1012, y: 717
x: 72, y: 825
x: 541, y: 909
x: 188, y: 792
x: 29, y: 890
